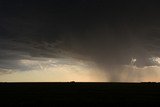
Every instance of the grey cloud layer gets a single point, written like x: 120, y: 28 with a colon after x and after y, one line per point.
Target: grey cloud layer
x: 109, y: 36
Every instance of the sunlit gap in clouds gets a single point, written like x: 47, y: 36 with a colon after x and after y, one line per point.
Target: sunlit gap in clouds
x: 133, y: 73
x: 54, y: 70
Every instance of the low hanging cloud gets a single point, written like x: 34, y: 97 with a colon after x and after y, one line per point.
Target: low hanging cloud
x: 52, y: 70
x: 29, y: 62
x: 64, y: 64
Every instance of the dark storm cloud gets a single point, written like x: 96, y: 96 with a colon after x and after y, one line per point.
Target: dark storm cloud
x: 111, y: 33
x: 13, y: 53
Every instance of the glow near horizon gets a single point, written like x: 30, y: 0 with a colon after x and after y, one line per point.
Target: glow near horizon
x: 70, y: 69
x: 55, y: 70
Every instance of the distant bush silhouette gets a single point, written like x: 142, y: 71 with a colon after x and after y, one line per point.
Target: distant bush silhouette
x: 72, y: 81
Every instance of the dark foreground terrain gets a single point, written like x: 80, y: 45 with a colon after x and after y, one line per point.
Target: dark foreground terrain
x: 72, y: 93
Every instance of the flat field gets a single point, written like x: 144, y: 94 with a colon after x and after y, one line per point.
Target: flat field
x: 62, y: 93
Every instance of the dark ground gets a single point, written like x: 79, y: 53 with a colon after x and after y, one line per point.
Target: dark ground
x: 71, y: 93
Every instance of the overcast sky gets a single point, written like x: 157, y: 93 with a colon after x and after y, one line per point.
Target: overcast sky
x: 120, y: 40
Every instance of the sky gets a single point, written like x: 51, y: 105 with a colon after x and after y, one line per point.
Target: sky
x: 79, y: 40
